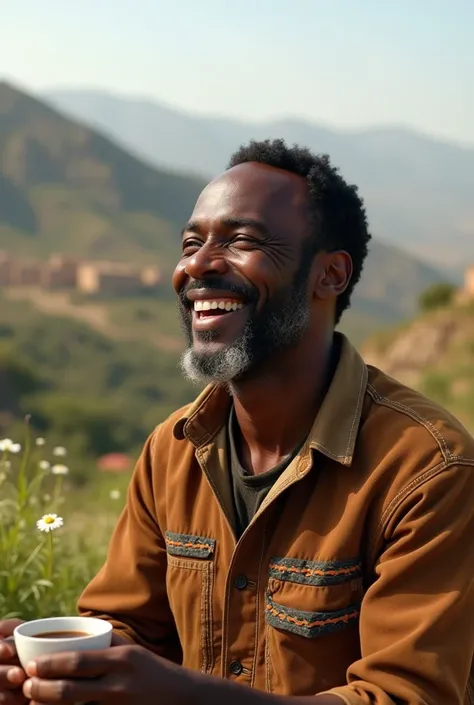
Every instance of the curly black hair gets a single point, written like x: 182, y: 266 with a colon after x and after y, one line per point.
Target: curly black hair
x: 338, y: 212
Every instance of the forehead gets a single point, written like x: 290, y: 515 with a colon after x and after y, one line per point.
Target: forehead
x: 257, y: 191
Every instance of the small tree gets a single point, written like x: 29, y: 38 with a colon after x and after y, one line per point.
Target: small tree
x: 437, y: 296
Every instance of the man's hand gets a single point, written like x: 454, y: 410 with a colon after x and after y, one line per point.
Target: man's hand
x: 132, y: 675
x: 124, y: 675
x: 12, y: 675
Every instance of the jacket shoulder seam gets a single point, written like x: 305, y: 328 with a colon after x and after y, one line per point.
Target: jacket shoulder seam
x: 408, y: 411
x: 411, y: 487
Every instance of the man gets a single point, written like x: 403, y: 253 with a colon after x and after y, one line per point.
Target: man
x: 304, y: 530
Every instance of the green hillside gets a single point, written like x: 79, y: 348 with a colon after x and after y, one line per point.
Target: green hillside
x: 66, y: 188
x: 99, y: 394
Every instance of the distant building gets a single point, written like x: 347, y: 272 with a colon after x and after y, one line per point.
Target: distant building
x: 466, y: 294
x: 27, y: 273
x: 69, y: 273
x: 60, y: 273
x: 469, y: 281
x: 5, y: 269
x: 108, y: 279
x: 151, y: 276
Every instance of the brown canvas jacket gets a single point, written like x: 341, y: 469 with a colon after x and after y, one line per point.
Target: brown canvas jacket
x: 356, y: 576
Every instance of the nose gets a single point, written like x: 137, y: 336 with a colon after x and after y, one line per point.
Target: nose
x: 206, y: 262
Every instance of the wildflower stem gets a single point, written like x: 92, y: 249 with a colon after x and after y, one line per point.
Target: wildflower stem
x: 22, y: 479
x: 57, y: 491
x: 49, y: 565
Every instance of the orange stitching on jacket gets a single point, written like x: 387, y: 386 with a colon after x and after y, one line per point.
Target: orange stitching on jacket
x: 315, y: 623
x: 190, y: 544
x: 315, y: 571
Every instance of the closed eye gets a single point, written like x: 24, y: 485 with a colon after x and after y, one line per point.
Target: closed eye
x: 244, y: 240
x: 191, y: 244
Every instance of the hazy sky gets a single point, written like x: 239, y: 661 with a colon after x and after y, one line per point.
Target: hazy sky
x: 349, y: 63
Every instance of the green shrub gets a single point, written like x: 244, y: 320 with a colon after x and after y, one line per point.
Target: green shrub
x: 437, y: 296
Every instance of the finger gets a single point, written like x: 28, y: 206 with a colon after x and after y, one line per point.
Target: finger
x: 66, y: 692
x: 11, y: 677
x: 76, y: 664
x: 7, y: 650
x: 13, y: 698
x: 119, y: 639
x: 7, y: 626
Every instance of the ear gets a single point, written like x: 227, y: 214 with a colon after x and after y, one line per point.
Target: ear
x: 333, y: 274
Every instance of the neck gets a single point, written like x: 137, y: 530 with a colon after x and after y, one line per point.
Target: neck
x: 276, y: 409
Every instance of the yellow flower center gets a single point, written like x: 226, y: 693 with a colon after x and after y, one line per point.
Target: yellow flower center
x: 49, y: 520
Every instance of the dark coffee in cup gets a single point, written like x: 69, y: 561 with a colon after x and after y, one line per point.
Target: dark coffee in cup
x: 60, y: 635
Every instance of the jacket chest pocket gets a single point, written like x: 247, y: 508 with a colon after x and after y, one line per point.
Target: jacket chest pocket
x: 311, y: 624
x: 189, y: 584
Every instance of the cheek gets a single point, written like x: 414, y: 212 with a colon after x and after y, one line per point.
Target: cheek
x: 262, y: 272
x: 255, y: 266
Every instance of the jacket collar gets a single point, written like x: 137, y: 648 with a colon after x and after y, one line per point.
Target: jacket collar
x: 335, y: 428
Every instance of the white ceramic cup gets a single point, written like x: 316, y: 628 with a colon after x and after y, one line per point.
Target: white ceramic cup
x: 30, y: 646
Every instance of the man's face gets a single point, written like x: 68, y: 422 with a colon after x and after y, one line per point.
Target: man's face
x: 242, y: 280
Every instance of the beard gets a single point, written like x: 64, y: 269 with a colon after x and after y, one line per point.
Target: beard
x: 279, y: 325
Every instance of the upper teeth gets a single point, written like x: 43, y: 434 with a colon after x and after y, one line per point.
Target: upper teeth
x: 223, y: 305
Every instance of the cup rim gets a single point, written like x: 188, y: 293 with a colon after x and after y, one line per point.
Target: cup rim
x: 106, y: 628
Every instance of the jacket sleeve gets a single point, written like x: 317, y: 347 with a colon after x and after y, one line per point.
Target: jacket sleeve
x: 417, y: 617
x: 130, y: 589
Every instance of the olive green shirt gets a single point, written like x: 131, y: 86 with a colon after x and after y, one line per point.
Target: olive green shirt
x: 248, y: 490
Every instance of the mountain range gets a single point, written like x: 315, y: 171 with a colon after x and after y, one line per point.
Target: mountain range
x: 418, y: 190
x: 65, y: 187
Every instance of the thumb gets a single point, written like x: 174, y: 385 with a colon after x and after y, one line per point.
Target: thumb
x: 7, y: 626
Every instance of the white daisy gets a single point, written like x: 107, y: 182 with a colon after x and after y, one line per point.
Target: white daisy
x: 40, y: 441
x: 7, y: 446
x: 49, y: 522
x: 59, y: 451
x: 60, y: 470
x: 44, y: 465
x: 115, y: 494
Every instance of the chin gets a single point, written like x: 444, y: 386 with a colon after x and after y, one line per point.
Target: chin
x: 215, y: 362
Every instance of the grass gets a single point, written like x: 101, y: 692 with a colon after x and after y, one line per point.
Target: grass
x: 43, y: 573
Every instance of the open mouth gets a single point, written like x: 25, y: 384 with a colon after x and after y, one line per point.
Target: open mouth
x: 205, y: 308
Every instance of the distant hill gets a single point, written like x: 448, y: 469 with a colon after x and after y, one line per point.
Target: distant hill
x: 64, y: 187
x: 433, y: 353
x: 67, y: 188
x: 419, y: 190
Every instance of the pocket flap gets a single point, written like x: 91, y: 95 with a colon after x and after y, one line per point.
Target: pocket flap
x: 189, y: 546
x: 309, y: 624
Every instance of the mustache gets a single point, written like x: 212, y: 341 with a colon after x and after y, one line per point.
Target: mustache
x: 248, y: 294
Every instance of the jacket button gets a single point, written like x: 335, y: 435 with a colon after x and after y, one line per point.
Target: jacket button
x: 236, y: 668
x: 240, y: 582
